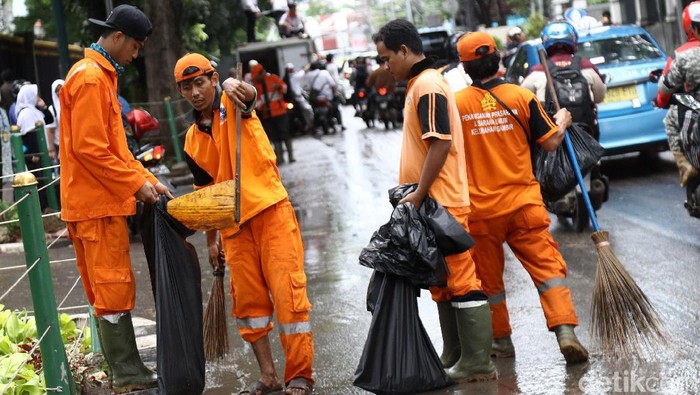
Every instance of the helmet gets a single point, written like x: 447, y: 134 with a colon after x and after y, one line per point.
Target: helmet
x: 515, y: 33
x: 558, y: 34
x: 686, y: 20
x: 141, y: 121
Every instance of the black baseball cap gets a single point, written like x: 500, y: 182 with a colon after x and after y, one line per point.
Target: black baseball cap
x: 128, y: 20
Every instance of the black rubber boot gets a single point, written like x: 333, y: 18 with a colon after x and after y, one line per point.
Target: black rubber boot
x: 502, y: 347
x: 450, y: 335
x: 127, y: 371
x: 475, y: 336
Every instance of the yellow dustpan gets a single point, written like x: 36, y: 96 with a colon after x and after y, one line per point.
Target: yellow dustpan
x: 209, y: 208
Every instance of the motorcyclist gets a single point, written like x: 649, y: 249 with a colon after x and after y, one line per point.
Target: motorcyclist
x: 559, y: 40
x: 683, y: 76
x: 513, y: 40
x: 380, y: 78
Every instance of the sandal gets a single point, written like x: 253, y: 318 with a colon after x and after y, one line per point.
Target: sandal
x: 299, y: 383
x: 257, y: 387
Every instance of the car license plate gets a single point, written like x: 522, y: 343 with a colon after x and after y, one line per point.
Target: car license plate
x: 621, y: 93
x: 383, y: 105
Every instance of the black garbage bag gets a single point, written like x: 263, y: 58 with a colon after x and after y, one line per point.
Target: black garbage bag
x: 173, y: 262
x: 398, y: 357
x: 553, y: 169
x: 405, y: 246
x: 450, y: 235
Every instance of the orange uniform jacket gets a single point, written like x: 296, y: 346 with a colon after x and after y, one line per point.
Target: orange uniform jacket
x: 211, y: 154
x: 99, y: 175
x: 498, y: 159
x: 270, y: 99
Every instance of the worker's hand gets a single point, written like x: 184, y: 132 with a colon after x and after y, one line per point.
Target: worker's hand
x: 687, y: 172
x: 52, y: 155
x: 147, y: 193
x: 415, y: 198
x: 238, y: 91
x: 35, y: 158
x: 563, y: 119
x: 163, y: 190
x: 216, y: 255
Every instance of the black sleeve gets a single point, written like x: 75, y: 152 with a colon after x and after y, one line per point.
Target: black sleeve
x: 540, y: 123
x: 48, y: 116
x: 201, y: 177
x: 433, y: 114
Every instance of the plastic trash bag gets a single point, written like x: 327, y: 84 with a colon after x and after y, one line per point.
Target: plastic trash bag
x: 405, y: 246
x: 398, y: 356
x: 174, y: 264
x: 450, y: 235
x: 553, y: 169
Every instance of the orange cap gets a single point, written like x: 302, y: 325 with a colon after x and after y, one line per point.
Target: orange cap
x: 256, y: 70
x: 470, y: 46
x: 195, y: 60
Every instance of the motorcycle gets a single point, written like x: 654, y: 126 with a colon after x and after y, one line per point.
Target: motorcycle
x: 322, y: 115
x: 362, y: 107
x: 140, y: 122
x: 573, y: 206
x: 384, y: 105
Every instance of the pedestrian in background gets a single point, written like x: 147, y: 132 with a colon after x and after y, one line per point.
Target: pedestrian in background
x: 432, y: 155
x: 265, y: 254
x: 273, y: 111
x: 100, y: 183
x: 291, y: 23
x: 6, y: 97
x: 252, y: 13
x: 498, y: 121
x: 53, y: 130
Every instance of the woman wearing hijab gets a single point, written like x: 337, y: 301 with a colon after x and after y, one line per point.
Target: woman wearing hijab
x: 52, y: 129
x: 28, y: 111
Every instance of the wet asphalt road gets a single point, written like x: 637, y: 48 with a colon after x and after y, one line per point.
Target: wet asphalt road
x: 338, y: 187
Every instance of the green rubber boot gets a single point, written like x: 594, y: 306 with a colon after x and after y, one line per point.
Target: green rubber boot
x: 127, y: 371
x: 573, y: 350
x: 475, y: 336
x: 450, y: 335
x: 502, y: 347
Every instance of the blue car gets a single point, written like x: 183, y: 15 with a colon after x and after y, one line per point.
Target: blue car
x: 625, y: 55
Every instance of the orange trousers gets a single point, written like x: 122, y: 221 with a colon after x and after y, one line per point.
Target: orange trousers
x: 266, y: 259
x: 463, y: 277
x: 526, y: 231
x: 102, y: 254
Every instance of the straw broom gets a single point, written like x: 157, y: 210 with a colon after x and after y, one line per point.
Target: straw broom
x: 215, y: 333
x: 623, y: 319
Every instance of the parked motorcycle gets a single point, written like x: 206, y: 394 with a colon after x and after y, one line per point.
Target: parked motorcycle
x: 151, y: 156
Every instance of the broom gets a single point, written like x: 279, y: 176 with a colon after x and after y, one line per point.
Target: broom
x: 215, y: 333
x: 623, y: 319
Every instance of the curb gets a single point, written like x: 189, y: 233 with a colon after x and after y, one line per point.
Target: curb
x: 12, y: 248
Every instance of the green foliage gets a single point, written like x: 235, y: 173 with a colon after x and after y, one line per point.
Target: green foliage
x: 12, y: 231
x: 17, y: 336
x: 534, y: 25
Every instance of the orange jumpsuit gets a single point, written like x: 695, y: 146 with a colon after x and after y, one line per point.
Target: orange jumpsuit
x: 430, y: 112
x: 265, y: 254
x: 506, y: 201
x: 99, y: 177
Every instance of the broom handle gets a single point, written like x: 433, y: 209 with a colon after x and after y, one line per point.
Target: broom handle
x: 567, y: 142
x: 237, y: 208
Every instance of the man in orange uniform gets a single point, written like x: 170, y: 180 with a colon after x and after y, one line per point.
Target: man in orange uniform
x: 273, y: 110
x: 432, y: 155
x: 506, y: 200
x: 100, y: 184
x: 265, y: 253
